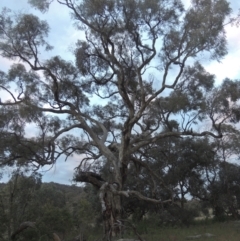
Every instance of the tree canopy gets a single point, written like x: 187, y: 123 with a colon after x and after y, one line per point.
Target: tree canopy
x: 136, y: 85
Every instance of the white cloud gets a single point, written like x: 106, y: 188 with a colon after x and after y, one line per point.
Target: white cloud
x: 63, y: 171
x: 229, y: 66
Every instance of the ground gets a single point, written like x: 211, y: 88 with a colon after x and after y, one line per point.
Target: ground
x: 225, y: 231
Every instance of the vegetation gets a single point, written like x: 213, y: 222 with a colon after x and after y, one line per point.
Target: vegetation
x: 73, y: 213
x: 48, y: 208
x: 145, y: 118
x: 220, y: 231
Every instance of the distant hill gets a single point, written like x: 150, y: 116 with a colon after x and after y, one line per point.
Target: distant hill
x: 63, y: 187
x: 72, y: 193
x: 66, y: 189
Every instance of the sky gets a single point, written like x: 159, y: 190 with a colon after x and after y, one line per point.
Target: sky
x: 63, y: 36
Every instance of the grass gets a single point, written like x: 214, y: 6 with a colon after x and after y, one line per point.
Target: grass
x: 223, y: 231
x: 226, y: 231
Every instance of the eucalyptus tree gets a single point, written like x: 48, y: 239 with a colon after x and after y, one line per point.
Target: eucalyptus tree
x: 136, y: 80
x: 217, y: 185
x: 186, y: 161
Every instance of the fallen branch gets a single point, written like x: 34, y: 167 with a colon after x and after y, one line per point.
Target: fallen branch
x: 22, y: 227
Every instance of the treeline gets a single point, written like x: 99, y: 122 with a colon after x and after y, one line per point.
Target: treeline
x: 32, y: 210
x: 202, y: 169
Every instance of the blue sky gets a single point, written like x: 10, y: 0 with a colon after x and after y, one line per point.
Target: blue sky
x: 63, y: 35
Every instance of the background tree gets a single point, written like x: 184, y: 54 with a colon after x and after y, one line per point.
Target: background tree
x: 139, y: 61
x: 31, y: 210
x: 15, y: 202
x: 218, y: 183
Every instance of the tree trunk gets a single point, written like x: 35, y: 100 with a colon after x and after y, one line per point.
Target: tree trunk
x: 111, y: 211
x: 110, y: 202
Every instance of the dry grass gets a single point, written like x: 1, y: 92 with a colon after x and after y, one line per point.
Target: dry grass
x: 229, y: 231
x: 225, y: 231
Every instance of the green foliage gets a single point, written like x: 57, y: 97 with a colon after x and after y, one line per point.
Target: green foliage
x: 54, y: 219
x: 53, y: 207
x: 15, y: 200
x: 41, y: 5
x: 27, y: 34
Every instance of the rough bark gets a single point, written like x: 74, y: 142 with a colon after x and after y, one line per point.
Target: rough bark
x: 110, y: 202
x: 111, y: 211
